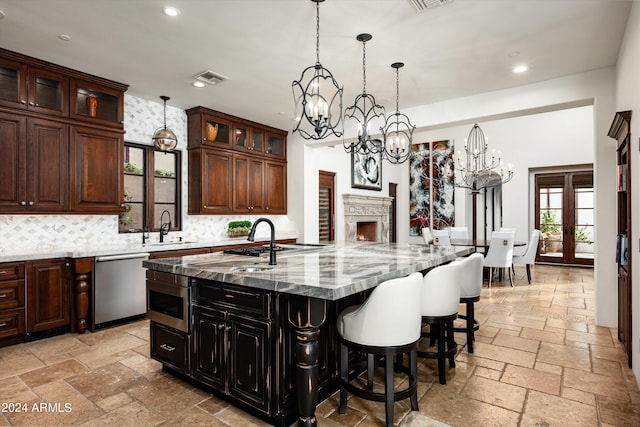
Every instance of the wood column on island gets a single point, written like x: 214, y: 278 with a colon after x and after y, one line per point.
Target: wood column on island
x: 82, y: 269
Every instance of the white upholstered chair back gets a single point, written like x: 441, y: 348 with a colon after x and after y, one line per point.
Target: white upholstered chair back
x: 426, y: 236
x: 390, y: 316
x: 460, y: 233
x: 500, y: 253
x: 441, y: 237
x: 441, y: 290
x: 471, y: 276
x: 529, y: 256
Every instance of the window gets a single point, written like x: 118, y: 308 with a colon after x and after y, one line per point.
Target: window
x: 151, y: 186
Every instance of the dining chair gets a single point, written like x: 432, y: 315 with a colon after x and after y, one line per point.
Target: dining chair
x: 426, y: 236
x: 441, y: 237
x: 387, y: 324
x: 461, y: 233
x: 440, y: 301
x: 500, y: 253
x: 470, y: 290
x: 529, y: 257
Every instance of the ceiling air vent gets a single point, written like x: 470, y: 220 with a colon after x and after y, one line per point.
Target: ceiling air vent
x: 421, y: 5
x: 210, y: 77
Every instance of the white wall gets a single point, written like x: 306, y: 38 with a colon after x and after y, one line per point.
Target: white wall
x: 628, y: 98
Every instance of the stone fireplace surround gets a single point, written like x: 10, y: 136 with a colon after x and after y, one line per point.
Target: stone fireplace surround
x: 359, y: 208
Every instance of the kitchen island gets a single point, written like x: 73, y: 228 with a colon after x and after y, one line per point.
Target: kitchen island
x: 262, y: 336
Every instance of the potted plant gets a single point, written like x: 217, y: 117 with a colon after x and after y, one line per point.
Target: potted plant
x: 239, y: 228
x: 583, y: 245
x: 550, y: 232
x: 132, y: 169
x: 124, y: 217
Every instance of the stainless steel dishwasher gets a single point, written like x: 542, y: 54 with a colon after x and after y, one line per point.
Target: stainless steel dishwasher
x: 120, y: 288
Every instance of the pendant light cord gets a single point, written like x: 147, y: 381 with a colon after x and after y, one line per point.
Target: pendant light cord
x: 397, y: 90
x: 364, y: 67
x: 317, y: 32
x: 165, y: 113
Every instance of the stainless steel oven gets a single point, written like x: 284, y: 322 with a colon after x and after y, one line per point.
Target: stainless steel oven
x: 169, y: 300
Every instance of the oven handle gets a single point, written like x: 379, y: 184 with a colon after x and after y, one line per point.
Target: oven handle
x: 121, y: 257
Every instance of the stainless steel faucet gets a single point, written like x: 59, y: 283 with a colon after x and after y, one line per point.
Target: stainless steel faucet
x: 165, y: 227
x: 272, y: 246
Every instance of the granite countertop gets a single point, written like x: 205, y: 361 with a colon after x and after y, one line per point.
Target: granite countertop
x: 327, y: 272
x: 88, y: 250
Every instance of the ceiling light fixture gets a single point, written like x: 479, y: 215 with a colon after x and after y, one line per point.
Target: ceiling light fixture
x: 364, y: 111
x: 198, y: 84
x: 397, y: 132
x: 164, y: 139
x: 171, y: 11
x: 520, y: 69
x: 317, y: 98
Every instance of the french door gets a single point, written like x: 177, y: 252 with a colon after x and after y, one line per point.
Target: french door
x: 565, y: 217
x: 326, y: 206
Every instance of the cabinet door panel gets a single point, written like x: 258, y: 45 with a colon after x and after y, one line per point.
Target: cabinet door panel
x: 13, y: 162
x: 241, y: 196
x: 209, y: 349
x: 48, y: 92
x: 48, y: 165
x: 276, y: 188
x: 217, y: 171
x: 249, y: 361
x: 13, y: 84
x: 48, y: 290
x: 96, y: 162
x: 256, y: 185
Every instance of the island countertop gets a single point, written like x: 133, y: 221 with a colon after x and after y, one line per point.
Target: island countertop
x: 327, y: 272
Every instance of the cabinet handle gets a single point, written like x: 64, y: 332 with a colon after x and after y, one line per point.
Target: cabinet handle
x: 23, y: 203
x: 229, y: 296
x: 267, y: 208
x: 167, y: 347
x: 3, y: 296
x: 221, y: 327
x: 30, y: 203
x: 32, y: 103
x: 2, y: 324
x: 205, y: 207
x: 3, y: 272
x: 228, y: 328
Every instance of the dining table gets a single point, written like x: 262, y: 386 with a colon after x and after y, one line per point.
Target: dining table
x: 480, y: 243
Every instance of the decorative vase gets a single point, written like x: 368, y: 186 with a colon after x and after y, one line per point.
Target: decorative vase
x: 212, y: 131
x: 92, y: 105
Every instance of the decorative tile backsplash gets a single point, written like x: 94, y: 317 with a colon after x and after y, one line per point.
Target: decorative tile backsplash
x: 142, y: 118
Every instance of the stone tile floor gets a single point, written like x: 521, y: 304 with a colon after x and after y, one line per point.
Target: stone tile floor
x: 539, y: 360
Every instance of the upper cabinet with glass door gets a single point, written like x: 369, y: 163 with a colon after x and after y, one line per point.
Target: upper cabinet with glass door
x: 248, y: 138
x: 276, y: 144
x: 96, y: 103
x: 34, y: 89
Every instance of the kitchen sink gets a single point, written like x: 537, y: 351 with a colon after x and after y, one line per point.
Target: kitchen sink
x: 252, y: 268
x: 182, y: 242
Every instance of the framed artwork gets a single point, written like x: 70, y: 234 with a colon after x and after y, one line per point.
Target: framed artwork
x: 366, y: 170
x: 431, y: 187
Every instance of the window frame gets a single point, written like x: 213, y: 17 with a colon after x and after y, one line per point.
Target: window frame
x: 148, y: 202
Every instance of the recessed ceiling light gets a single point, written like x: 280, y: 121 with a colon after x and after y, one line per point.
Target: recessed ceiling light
x: 520, y: 69
x: 198, y: 84
x: 64, y: 37
x: 171, y: 11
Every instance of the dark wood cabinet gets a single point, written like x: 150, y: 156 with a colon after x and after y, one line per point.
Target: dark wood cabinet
x: 170, y: 346
x: 59, y: 155
x: 210, y: 181
x: 96, y: 170
x: 28, y: 87
x: 48, y: 294
x: 620, y: 130
x: 34, y: 169
x: 249, y: 172
x: 12, y: 302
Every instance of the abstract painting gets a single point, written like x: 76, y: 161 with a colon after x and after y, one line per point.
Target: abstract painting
x: 366, y: 170
x: 431, y: 187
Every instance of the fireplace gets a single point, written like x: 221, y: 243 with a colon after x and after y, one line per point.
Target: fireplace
x: 366, y: 231
x: 366, y: 218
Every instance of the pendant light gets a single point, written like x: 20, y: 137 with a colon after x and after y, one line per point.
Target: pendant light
x: 317, y: 97
x: 397, y: 133
x: 364, y: 111
x: 164, y: 139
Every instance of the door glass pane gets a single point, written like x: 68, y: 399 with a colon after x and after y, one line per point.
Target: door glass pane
x: 241, y: 137
x: 257, y: 140
x: 48, y: 93
x: 165, y: 188
x: 9, y: 84
x: 584, y: 223
x: 275, y: 145
x: 324, y: 214
x: 551, y: 221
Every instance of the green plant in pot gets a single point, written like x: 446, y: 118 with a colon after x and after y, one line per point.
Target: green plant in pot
x: 124, y: 217
x: 239, y: 228
x: 550, y: 232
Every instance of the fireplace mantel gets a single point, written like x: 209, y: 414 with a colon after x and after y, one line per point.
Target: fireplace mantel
x: 359, y: 208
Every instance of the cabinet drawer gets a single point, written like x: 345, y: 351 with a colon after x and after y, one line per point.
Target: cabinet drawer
x: 241, y: 300
x: 170, y: 346
x: 11, y: 294
x: 11, y: 323
x: 11, y: 270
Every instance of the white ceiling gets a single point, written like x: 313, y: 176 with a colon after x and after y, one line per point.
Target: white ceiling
x: 457, y: 49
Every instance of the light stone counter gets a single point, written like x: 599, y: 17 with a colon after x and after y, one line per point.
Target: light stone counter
x: 51, y: 251
x: 329, y: 272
